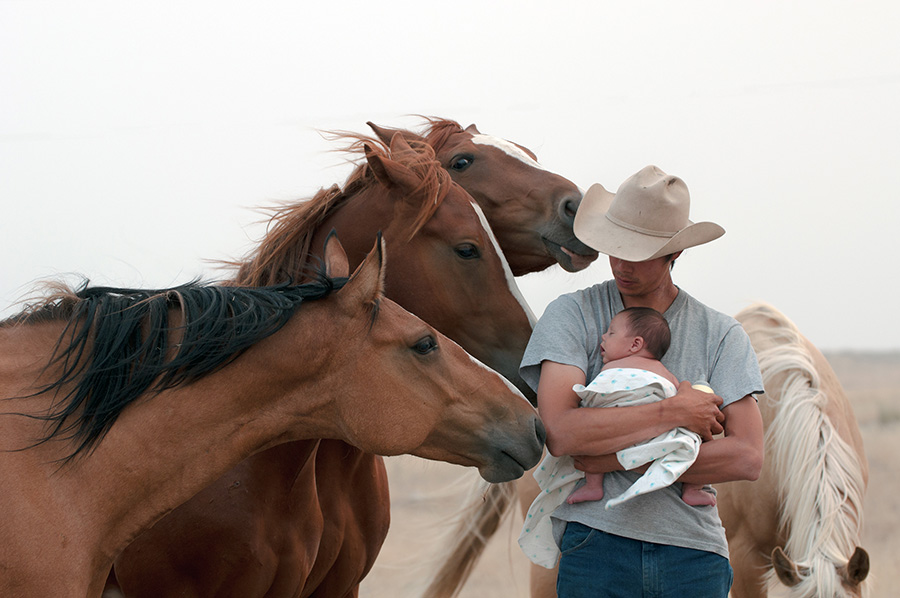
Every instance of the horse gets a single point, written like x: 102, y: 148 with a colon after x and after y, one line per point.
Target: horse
x: 531, y: 210
x: 446, y: 268
x: 120, y: 404
x: 801, y: 521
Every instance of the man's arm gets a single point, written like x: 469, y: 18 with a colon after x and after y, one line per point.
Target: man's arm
x: 738, y: 455
x: 572, y: 430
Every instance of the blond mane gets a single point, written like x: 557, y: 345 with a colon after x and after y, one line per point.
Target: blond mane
x: 821, y: 484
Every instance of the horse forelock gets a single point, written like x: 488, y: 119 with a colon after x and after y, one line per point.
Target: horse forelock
x: 420, y: 159
x: 439, y: 131
x: 820, y: 483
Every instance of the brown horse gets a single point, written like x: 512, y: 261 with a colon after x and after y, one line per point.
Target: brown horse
x: 121, y: 404
x: 444, y: 267
x: 803, y: 517
x: 531, y: 209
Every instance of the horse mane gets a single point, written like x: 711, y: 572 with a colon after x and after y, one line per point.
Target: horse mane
x: 821, y: 484
x: 116, y: 344
x: 439, y: 130
x: 287, y: 244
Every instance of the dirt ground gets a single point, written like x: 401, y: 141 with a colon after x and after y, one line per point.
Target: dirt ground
x: 426, y: 494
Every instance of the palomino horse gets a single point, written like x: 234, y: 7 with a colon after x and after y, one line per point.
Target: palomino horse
x: 121, y: 404
x: 311, y: 517
x: 803, y: 516
x: 801, y: 520
x: 531, y: 210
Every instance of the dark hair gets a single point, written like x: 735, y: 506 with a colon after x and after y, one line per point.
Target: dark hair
x: 652, y: 326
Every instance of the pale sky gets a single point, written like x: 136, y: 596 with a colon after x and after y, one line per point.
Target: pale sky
x: 136, y: 138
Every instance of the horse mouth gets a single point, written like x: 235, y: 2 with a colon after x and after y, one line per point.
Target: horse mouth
x: 570, y: 260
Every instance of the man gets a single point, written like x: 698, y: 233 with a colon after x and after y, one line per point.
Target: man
x: 654, y: 545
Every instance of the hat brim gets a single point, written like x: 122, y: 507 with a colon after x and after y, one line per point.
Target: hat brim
x: 595, y: 230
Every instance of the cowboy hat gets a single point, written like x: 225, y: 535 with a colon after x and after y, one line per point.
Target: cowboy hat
x: 645, y: 219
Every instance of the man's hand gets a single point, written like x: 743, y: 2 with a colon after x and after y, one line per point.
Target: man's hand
x: 698, y: 411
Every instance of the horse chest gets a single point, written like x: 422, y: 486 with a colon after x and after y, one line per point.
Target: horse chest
x: 355, y: 506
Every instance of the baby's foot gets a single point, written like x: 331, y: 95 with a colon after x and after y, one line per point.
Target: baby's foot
x: 585, y: 493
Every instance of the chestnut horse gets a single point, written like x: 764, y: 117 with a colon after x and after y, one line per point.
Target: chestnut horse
x: 310, y: 518
x: 801, y: 521
x: 531, y: 210
x: 121, y: 404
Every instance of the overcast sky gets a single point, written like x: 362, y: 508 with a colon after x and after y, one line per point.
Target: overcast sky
x: 136, y: 138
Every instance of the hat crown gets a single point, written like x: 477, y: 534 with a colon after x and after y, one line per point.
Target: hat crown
x: 652, y: 202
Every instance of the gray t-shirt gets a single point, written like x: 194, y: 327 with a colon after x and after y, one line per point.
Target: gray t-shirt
x: 707, y: 347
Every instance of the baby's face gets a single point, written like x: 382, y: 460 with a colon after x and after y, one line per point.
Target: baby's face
x: 617, y: 341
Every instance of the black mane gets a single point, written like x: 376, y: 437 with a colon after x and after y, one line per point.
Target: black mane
x: 115, y: 343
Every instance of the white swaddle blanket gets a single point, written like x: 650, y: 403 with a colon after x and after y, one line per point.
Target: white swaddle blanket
x: 671, y: 453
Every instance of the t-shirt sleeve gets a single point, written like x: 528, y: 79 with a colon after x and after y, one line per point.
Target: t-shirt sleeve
x: 736, y: 373
x: 560, y: 335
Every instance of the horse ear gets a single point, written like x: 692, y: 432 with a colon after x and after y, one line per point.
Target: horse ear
x: 472, y: 130
x: 399, y: 143
x: 336, y: 263
x: 366, y: 286
x: 785, y: 568
x: 388, y: 172
x: 858, y: 567
x: 385, y: 134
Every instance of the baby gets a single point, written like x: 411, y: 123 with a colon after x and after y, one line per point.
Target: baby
x: 636, y: 340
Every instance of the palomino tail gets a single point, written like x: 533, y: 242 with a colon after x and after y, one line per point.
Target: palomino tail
x: 474, y: 527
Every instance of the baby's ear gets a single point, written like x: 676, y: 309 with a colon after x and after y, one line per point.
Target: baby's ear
x: 637, y: 344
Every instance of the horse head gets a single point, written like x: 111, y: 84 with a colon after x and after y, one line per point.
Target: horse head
x: 463, y: 412
x: 849, y: 575
x: 531, y: 209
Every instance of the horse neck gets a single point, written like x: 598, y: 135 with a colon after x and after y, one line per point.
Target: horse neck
x: 176, y: 443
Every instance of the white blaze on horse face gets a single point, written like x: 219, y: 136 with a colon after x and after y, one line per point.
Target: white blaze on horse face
x: 510, y: 279
x: 508, y: 148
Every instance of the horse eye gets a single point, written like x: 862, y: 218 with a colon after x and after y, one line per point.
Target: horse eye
x: 461, y: 162
x: 425, y: 345
x: 467, y: 251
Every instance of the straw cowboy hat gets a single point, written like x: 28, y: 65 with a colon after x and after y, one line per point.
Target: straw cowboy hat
x: 645, y: 219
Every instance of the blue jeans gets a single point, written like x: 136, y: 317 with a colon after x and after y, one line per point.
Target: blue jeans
x: 595, y: 564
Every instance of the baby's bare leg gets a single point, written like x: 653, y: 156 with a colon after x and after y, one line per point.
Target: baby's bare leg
x: 591, y: 490
x: 696, y: 495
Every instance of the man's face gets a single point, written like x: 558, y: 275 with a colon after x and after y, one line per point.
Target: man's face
x: 640, y: 279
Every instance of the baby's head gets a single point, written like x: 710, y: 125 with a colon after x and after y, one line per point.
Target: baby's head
x: 639, y: 331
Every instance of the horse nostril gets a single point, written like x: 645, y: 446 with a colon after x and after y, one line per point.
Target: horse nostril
x: 567, y: 209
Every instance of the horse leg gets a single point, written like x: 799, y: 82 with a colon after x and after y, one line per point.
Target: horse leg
x: 542, y: 581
